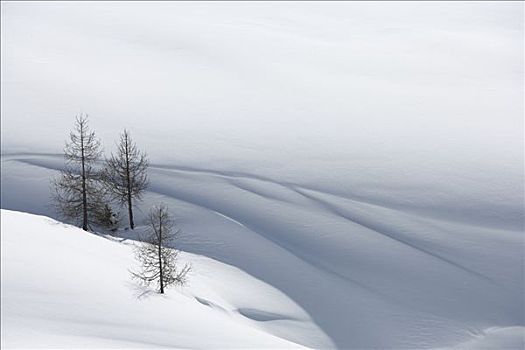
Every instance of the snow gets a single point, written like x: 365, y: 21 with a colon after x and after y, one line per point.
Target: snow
x: 497, y: 338
x: 345, y: 174
x: 65, y: 288
x: 356, y: 269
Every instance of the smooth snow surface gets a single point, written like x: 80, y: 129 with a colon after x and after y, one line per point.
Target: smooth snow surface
x: 63, y: 288
x: 355, y: 168
x: 356, y: 269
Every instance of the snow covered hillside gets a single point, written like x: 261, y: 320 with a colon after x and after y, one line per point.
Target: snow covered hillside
x: 65, y: 288
x: 356, y: 269
x: 346, y: 174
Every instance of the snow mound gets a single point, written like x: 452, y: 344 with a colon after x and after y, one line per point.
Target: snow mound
x: 65, y: 288
x: 337, y: 270
x: 345, y: 174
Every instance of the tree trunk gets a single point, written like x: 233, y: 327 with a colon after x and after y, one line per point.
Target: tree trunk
x: 84, y: 195
x: 128, y: 180
x: 160, y: 258
x: 130, y: 213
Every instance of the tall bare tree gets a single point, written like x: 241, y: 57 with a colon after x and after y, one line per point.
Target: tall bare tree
x: 126, y: 174
x: 77, y: 192
x: 158, y: 262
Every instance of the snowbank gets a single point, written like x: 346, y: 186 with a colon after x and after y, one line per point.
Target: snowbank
x: 65, y: 288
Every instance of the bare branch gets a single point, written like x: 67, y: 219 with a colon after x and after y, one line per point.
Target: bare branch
x: 158, y: 262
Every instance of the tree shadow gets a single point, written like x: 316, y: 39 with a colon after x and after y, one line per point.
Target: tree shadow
x: 141, y: 292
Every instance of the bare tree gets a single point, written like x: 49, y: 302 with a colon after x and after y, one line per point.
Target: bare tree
x: 77, y: 191
x: 126, y: 174
x: 158, y: 262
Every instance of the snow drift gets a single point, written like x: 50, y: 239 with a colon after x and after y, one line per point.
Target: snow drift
x: 66, y: 288
x: 357, y: 269
x: 364, y: 160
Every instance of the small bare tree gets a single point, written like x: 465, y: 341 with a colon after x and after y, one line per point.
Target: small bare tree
x: 78, y: 193
x: 158, y: 262
x: 126, y: 174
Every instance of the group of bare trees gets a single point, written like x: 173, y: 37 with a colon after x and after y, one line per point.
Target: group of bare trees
x: 88, y: 186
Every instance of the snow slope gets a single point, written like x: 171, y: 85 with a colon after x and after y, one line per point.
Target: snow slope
x: 65, y: 288
x: 357, y: 269
x: 365, y: 160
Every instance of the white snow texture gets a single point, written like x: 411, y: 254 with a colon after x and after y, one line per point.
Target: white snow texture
x: 345, y: 174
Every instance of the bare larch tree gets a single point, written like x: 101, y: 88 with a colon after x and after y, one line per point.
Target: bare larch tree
x: 77, y: 192
x: 126, y: 174
x: 158, y: 261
